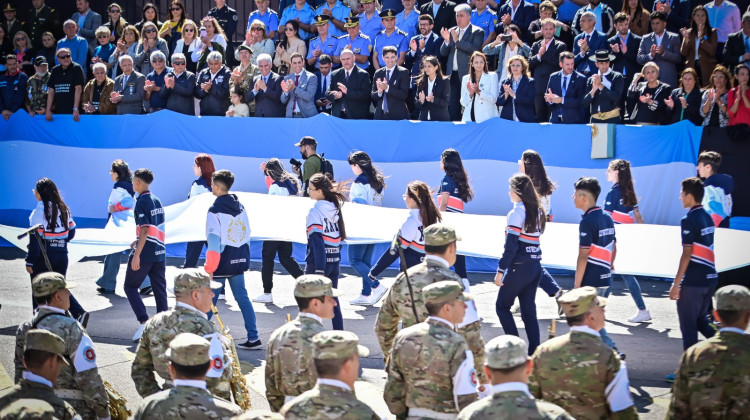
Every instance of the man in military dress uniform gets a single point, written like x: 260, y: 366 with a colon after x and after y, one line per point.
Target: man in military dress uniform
x: 11, y: 24
x: 79, y: 382
x: 324, y: 43
x: 577, y: 371
x: 390, y: 36
x: 509, y: 366
x: 430, y: 368
x: 290, y: 369
x: 193, y: 295
x: 440, y: 254
x: 43, y: 358
x: 355, y: 40
x: 336, y: 356
x: 712, y: 380
x: 227, y: 18
x: 189, y: 360
x: 42, y: 18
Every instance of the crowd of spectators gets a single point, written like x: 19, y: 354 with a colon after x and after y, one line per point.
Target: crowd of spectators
x: 558, y: 61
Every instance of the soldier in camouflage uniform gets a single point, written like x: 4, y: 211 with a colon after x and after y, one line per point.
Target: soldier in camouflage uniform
x: 713, y: 380
x: 577, y: 371
x: 259, y: 415
x: 508, y: 366
x: 36, y: 88
x: 189, y: 399
x: 398, y: 305
x: 193, y: 294
x: 336, y: 356
x: 290, y: 370
x: 430, y: 368
x: 43, y: 357
x: 79, y: 382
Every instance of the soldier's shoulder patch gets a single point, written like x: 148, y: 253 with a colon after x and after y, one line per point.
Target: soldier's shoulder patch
x: 234, y: 17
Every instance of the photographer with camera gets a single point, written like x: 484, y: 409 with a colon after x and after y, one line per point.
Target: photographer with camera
x: 313, y: 162
x: 505, y: 45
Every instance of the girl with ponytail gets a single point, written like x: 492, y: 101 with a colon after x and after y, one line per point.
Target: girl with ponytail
x: 454, y: 191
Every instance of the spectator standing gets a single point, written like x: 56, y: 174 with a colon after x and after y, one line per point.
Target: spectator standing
x: 517, y: 92
x: 586, y: 43
x: 624, y: 45
x: 442, y: 12
x: 545, y: 59
x: 324, y: 81
x: 77, y: 45
x: 724, y: 16
x: 211, y: 39
x: 212, y: 86
x: 324, y: 43
x: 459, y: 42
x: 86, y: 21
x: 699, y: 45
x: 407, y: 20
x: 293, y: 44
x: 565, y: 91
x: 97, y: 99
x: 390, y: 88
x: 23, y: 49
x: 12, y: 87
x: 390, y: 36
x: 268, y: 17
x: 370, y: 20
x: 188, y: 44
x: 36, y: 101
x: 127, y: 45
x: 64, y: 86
x: 298, y: 90
x: 336, y: 13
x: 485, y: 18
x: 266, y: 91
x: 504, y: 48
x: 604, y: 91
x: 150, y: 42
x: 105, y: 48
x: 128, y: 92
x: 359, y: 43
x: 303, y: 14
x: 563, y: 32
x: 604, y: 18
x: 714, y: 103
x: 433, y: 91
x: 648, y: 96
x: 115, y: 22
x: 479, y: 90
x: 258, y: 42
x: 717, y: 188
x: 226, y: 18
x: 179, y: 86
x: 738, y: 99
x: 171, y: 30
x: 676, y: 11
x: 245, y: 72
x: 150, y: 13
x: 6, y: 47
x: 737, y: 47
x: 684, y: 103
x: 11, y: 25
x: 41, y: 19
x: 639, y: 17
x: 349, y: 91
x: 425, y: 44
x: 156, y: 96
x: 48, y: 48
x: 662, y: 47
x: 519, y: 12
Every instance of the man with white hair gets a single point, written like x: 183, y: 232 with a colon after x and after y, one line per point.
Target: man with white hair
x: 156, y: 99
x: 586, y: 43
x: 179, y: 86
x: 212, y: 86
x: 128, y: 92
x: 266, y: 91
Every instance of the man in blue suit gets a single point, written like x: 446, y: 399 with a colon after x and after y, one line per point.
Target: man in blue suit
x: 323, y: 80
x: 88, y: 21
x: 586, y: 43
x: 266, y: 91
x: 565, y: 92
x: 519, y: 12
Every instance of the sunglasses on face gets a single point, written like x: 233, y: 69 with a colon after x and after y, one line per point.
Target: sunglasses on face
x: 63, y: 57
x: 176, y: 8
x: 178, y: 63
x: 256, y: 29
x: 114, y: 11
x: 288, y: 29
x: 188, y: 30
x: 20, y: 39
x: 103, y: 36
x: 157, y: 60
x: 148, y: 31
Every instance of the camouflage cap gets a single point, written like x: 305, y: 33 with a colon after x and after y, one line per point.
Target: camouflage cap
x: 444, y: 292
x: 733, y: 298
x: 29, y: 409
x: 440, y: 234
x: 579, y: 301
x: 337, y: 345
x: 48, y: 283
x: 188, y: 349
x: 39, y: 339
x: 193, y: 279
x: 259, y: 415
x: 314, y: 285
x: 506, y: 351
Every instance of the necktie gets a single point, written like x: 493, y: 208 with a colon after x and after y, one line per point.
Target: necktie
x: 296, y: 83
x: 346, y: 80
x: 588, y: 39
x: 385, y: 100
x: 564, y: 85
x: 124, y: 81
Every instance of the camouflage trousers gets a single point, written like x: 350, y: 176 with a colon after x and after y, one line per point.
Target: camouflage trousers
x: 83, y: 409
x: 473, y: 335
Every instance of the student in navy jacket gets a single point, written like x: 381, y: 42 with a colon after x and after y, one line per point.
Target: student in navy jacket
x: 565, y: 91
x: 203, y: 168
x: 517, y: 92
x: 586, y: 43
x: 212, y: 86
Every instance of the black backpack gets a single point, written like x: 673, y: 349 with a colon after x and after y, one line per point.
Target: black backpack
x: 326, y: 167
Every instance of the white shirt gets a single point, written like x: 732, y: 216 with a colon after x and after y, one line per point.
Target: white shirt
x: 32, y: 377
x: 311, y: 316
x: 439, y: 260
x: 586, y: 329
x: 191, y: 383
x: 513, y: 10
x: 606, y: 83
x: 193, y: 308
x: 512, y: 386
x: 442, y: 320
x: 509, y: 53
x: 52, y: 308
x: 334, y: 382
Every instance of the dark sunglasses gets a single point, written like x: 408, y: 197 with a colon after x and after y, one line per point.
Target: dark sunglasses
x: 63, y: 57
x: 114, y: 11
x: 288, y: 29
x: 188, y: 30
x: 178, y: 63
x: 148, y: 31
x: 176, y: 8
x: 103, y: 36
x: 20, y: 39
x: 256, y: 29
x: 157, y: 60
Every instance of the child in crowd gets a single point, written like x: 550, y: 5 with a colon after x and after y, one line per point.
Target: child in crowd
x: 279, y: 182
x: 203, y: 168
x: 325, y: 231
x: 149, y: 253
x: 621, y: 204
x: 228, y: 255
x: 718, y: 188
x: 454, y: 191
x: 367, y: 188
x: 238, y: 108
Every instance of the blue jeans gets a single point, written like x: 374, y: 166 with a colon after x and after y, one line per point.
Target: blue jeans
x: 692, y: 311
x: 635, y: 290
x: 604, y: 292
x: 237, y: 284
x: 360, y: 259
x: 108, y: 280
x: 520, y: 281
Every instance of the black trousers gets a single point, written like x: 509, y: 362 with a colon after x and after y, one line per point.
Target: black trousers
x: 284, y: 250
x: 454, y: 106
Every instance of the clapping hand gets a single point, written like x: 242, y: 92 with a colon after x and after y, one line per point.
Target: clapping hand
x: 470, y: 87
x: 683, y: 101
x: 206, y: 86
x: 583, y: 45
x: 90, y: 109
x: 382, y: 85
x: 446, y: 34
x: 151, y: 43
x: 711, y: 94
x: 551, y: 97
x: 596, y: 80
x: 342, y: 88
x: 615, y: 47
x: 454, y: 34
x: 508, y: 91
x: 542, y: 48
x: 148, y: 86
x: 413, y: 45
x: 279, y: 49
x: 316, y: 52
x: 669, y: 102
x: 421, y: 43
x: 121, y: 45
x: 646, y: 99
x: 421, y: 97
x: 230, y: 113
x: 506, y: 19
x: 169, y: 81
x: 684, y: 32
x: 260, y: 84
x: 115, y: 97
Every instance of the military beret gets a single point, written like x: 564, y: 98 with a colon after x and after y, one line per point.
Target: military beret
x: 506, y: 351
x: 48, y: 283
x: 579, y: 301
x: 314, y: 285
x: 367, y: 1
x: 337, y: 345
x: 440, y: 234
x: 444, y: 292
x: 733, y: 298
x: 39, y: 339
x: 193, y: 279
x: 188, y: 349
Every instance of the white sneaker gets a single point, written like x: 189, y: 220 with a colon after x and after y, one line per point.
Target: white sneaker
x: 377, y: 294
x: 515, y: 309
x: 264, y: 298
x: 641, y: 316
x: 139, y: 333
x: 361, y: 300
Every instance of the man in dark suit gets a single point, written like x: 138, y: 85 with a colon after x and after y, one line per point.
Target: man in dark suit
x: 586, y: 43
x: 422, y: 45
x: 565, y: 92
x: 544, y: 60
x: 390, y: 88
x: 737, y: 47
x: 458, y: 44
x: 128, y: 91
x: 442, y: 12
x: 349, y: 91
x: 604, y: 90
x: 520, y: 13
x: 663, y: 48
x: 624, y: 44
x: 323, y: 77
x: 677, y: 12
x: 88, y: 21
x: 266, y: 91
x: 212, y: 86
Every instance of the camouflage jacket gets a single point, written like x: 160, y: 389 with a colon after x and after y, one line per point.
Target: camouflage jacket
x: 325, y: 402
x: 150, y: 356
x: 246, y: 77
x: 573, y: 371
x: 290, y: 369
x: 713, y: 380
x: 36, y: 92
x: 185, y: 402
x: 512, y: 405
x: 31, y: 391
x: 82, y: 374
x: 429, y: 368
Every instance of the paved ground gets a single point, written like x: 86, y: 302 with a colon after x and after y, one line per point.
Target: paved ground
x: 652, y: 349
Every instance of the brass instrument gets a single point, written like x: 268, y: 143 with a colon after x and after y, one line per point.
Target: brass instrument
x: 288, y: 318
x: 117, y: 403
x: 238, y: 384
x: 553, y: 328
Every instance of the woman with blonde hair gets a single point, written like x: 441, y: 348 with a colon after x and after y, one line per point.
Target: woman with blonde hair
x: 150, y: 42
x: 115, y: 23
x: 127, y: 45
x: 649, y: 96
x: 188, y: 44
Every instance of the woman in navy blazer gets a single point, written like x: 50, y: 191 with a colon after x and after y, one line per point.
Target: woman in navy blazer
x: 517, y: 92
x: 433, y: 101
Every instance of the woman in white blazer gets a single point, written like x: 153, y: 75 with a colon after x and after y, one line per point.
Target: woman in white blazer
x: 479, y: 90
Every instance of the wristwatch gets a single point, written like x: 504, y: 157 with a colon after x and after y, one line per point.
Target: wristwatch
x: 75, y: 108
